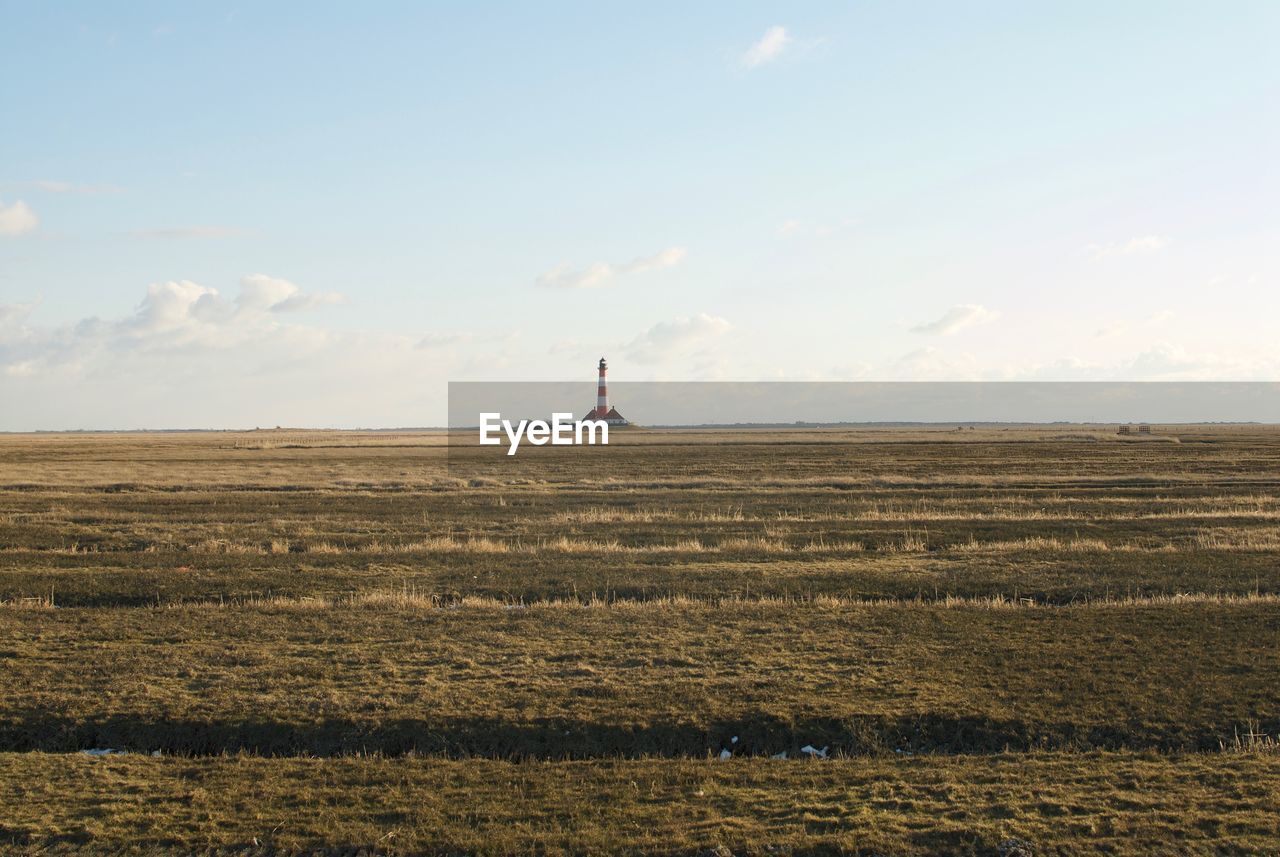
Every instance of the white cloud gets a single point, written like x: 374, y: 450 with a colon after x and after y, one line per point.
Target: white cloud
x: 24, y: 369
x: 565, y: 346
x: 13, y: 315
x: 564, y: 277
x: 1119, y: 328
x: 17, y: 218
x: 262, y: 292
x: 665, y: 259
x: 189, y: 356
x: 181, y: 314
x: 1165, y: 361
x: 674, y: 338
x: 176, y: 307
x: 442, y: 339
x: 601, y: 273
x: 1162, y: 361
x: 956, y: 319
x: 931, y: 364
x: 1142, y: 244
x: 272, y: 294
x: 768, y: 48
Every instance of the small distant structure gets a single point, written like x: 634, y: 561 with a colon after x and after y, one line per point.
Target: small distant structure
x: 602, y: 411
x: 1144, y: 429
x: 1124, y: 430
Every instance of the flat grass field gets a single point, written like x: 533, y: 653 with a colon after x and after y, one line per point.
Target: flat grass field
x: 1014, y: 640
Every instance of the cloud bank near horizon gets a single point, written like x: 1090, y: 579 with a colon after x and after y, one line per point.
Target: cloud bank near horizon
x: 271, y: 353
x: 599, y: 274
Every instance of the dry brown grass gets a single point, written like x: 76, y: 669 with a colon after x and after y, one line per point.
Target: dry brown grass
x: 408, y: 597
x: 1253, y: 740
x: 1235, y: 540
x: 1101, y: 803
x: 350, y: 595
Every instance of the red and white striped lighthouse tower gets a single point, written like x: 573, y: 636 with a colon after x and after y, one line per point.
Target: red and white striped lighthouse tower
x: 602, y: 393
x: 602, y: 411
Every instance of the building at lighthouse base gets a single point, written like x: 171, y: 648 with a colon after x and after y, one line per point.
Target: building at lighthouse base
x: 612, y: 417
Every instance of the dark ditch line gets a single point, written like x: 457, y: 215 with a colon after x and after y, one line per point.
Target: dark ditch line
x: 564, y: 739
x: 1248, y: 595
x: 711, y: 484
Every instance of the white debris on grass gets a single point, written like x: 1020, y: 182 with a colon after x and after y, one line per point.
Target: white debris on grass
x: 104, y: 751
x: 808, y: 750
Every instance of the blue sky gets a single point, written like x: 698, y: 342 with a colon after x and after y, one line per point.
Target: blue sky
x: 229, y: 214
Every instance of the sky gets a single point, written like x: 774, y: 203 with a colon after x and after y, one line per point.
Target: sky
x: 228, y: 215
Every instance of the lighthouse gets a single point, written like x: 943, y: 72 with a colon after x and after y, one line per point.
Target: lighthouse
x: 602, y: 411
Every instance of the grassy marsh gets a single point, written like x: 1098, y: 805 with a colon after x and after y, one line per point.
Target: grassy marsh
x: 1053, y: 634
